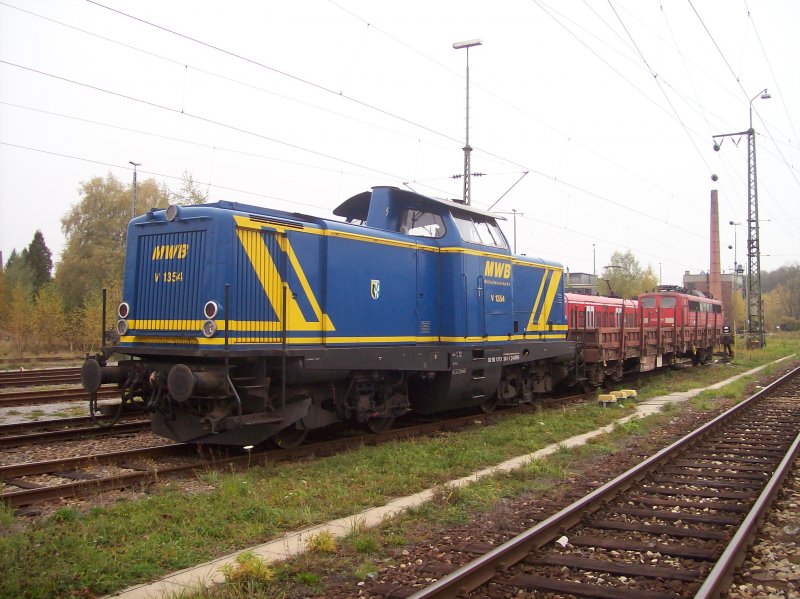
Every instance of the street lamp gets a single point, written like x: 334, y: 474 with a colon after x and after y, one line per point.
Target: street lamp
x: 735, y: 243
x: 736, y: 269
x: 754, y: 326
x: 764, y: 95
x: 133, y: 208
x: 467, y: 149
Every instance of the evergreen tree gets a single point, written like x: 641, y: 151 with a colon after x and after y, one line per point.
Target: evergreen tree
x: 39, y: 260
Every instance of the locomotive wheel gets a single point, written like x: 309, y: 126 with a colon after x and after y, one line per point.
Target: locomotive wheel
x: 290, y: 437
x: 380, y: 424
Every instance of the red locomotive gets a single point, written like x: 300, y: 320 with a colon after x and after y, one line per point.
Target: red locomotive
x: 661, y: 328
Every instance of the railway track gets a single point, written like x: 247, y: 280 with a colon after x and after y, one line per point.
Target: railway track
x: 676, y: 525
x: 29, y: 483
x: 40, y: 360
x: 30, y: 398
x: 49, y: 376
x: 64, y: 429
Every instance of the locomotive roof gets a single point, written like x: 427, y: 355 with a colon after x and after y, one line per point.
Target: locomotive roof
x: 694, y: 295
x: 357, y: 207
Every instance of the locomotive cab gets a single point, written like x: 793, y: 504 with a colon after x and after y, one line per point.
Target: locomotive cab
x: 690, y: 319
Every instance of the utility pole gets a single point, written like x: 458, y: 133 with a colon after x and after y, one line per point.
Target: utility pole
x: 133, y: 207
x: 754, y: 326
x: 467, y: 148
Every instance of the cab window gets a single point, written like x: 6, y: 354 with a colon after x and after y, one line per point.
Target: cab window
x: 417, y: 223
x: 667, y: 302
x: 648, y: 302
x: 479, y: 229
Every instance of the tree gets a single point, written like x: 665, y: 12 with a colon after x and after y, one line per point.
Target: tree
x: 39, y: 260
x: 788, y: 291
x: 88, y: 318
x: 19, y: 316
x: 625, y: 278
x: 781, y: 297
x: 18, y: 273
x: 48, y: 325
x: 190, y: 192
x: 96, y: 231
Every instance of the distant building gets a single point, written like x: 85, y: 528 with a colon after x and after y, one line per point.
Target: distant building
x: 730, y: 284
x: 581, y: 282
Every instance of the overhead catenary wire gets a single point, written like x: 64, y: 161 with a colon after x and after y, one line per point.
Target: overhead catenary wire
x: 323, y: 154
x: 741, y: 87
x: 211, y: 73
x: 556, y: 179
x: 600, y: 155
x: 205, y: 119
x: 330, y: 90
x: 656, y: 79
x: 781, y: 96
x: 158, y: 174
x: 188, y: 141
x: 215, y: 74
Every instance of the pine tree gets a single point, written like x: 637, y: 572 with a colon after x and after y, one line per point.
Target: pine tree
x: 39, y: 260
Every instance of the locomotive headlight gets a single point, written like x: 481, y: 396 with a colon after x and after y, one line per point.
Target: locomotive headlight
x: 172, y: 212
x: 124, y: 310
x: 122, y: 326
x: 211, y: 309
x: 209, y: 328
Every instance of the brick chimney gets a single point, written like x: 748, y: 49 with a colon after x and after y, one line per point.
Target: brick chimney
x: 715, y: 282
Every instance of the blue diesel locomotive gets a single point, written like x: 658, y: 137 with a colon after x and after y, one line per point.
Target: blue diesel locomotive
x: 243, y: 324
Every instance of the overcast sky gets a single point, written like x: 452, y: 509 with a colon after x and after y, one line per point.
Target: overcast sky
x: 610, y: 106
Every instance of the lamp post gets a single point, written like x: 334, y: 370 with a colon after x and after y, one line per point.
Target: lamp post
x: 754, y: 325
x: 133, y: 207
x: 467, y: 149
x: 735, y: 243
x: 736, y: 269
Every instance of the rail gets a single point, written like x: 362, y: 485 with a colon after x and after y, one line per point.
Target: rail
x: 487, y: 566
